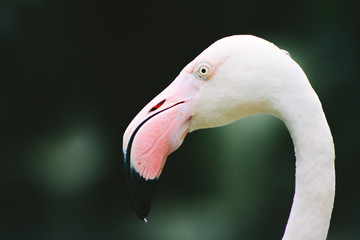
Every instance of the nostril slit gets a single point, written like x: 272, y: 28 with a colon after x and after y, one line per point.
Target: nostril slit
x: 157, y: 106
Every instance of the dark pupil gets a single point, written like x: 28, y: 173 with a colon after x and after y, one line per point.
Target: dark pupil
x: 203, y: 70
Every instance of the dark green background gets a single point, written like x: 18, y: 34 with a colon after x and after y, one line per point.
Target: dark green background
x: 73, y: 74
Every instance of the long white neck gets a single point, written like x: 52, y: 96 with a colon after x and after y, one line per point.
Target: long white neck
x: 258, y: 77
x: 315, y: 174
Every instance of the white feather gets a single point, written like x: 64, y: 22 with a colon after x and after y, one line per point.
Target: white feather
x: 254, y: 76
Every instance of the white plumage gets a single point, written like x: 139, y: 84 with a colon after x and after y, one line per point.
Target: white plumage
x: 240, y: 76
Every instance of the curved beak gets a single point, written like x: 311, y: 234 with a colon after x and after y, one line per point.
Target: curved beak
x: 158, y: 130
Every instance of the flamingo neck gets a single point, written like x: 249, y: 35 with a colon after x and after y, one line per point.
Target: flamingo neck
x: 315, y: 173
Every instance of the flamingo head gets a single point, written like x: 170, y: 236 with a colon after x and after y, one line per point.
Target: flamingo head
x: 223, y: 84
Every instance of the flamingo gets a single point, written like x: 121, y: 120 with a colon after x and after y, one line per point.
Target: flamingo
x: 238, y: 76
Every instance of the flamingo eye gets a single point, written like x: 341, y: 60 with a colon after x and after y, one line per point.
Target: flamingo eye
x: 203, y: 71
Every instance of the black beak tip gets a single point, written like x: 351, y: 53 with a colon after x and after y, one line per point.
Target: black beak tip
x: 140, y: 205
x: 142, y: 216
x: 140, y: 191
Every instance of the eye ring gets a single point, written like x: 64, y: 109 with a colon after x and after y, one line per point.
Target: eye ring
x: 203, y: 71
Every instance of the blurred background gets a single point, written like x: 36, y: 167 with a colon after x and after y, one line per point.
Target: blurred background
x: 74, y: 73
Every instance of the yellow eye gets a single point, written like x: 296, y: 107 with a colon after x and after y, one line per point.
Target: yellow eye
x: 203, y: 71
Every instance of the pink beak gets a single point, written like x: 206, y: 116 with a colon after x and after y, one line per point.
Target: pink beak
x: 158, y: 130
